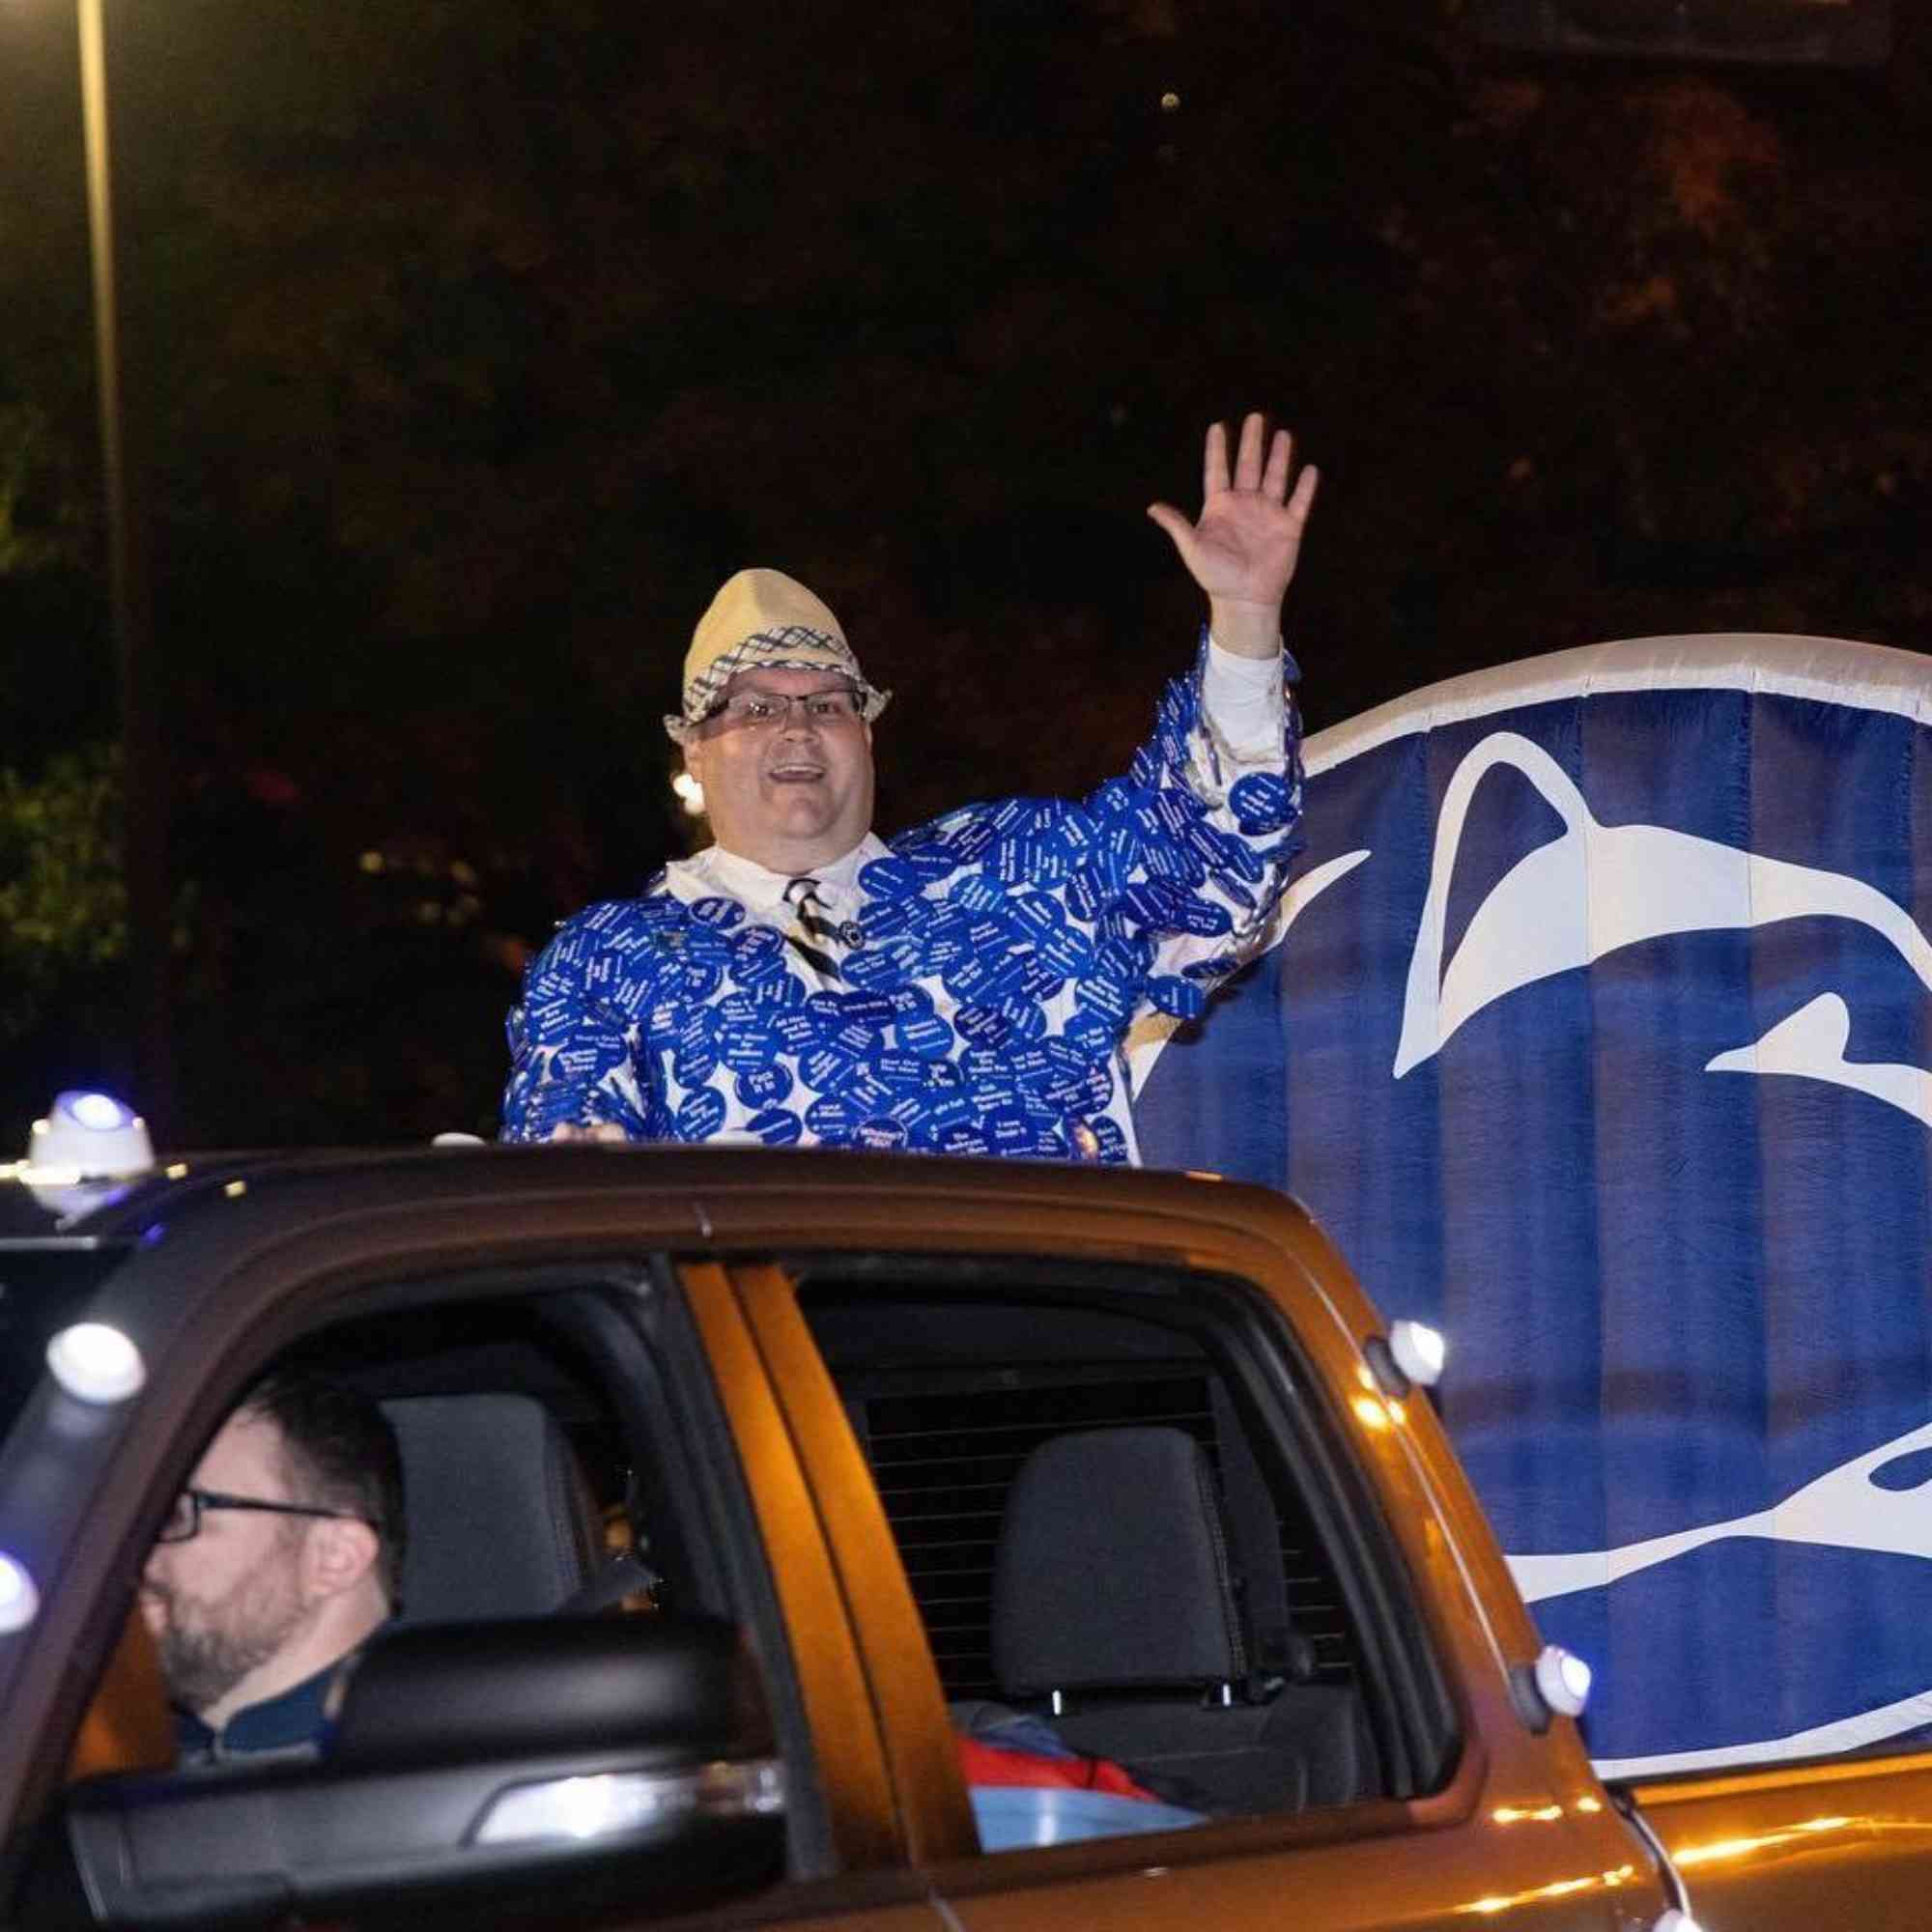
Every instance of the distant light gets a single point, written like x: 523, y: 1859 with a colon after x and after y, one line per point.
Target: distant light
x: 1419, y: 1351
x: 371, y: 862
x: 96, y: 1363
x: 454, y: 1139
x: 19, y: 1601
x: 689, y: 793
x: 1563, y: 1679
x: 235, y: 1189
x: 1170, y: 102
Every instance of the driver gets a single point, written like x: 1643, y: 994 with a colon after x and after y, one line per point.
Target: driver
x: 278, y: 1561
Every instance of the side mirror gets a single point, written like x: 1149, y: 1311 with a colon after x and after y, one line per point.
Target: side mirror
x: 565, y: 1763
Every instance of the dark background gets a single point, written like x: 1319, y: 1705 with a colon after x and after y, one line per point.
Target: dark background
x: 476, y: 342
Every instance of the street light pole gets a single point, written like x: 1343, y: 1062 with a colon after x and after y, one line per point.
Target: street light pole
x: 143, y: 773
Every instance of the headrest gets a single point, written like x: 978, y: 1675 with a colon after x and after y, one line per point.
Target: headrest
x: 1111, y: 1569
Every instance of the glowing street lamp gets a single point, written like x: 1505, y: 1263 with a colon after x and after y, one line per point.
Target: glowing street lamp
x: 144, y: 792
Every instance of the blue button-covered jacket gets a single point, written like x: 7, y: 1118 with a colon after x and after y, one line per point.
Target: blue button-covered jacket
x: 1008, y: 950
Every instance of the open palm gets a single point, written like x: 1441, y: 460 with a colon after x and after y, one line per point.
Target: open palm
x: 1244, y: 547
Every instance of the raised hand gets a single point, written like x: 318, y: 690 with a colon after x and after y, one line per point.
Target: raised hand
x: 1243, y: 550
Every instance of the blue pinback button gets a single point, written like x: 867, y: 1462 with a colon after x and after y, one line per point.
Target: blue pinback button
x: 692, y: 1067
x: 1098, y: 1095
x: 759, y: 953
x: 829, y: 1118
x: 796, y: 1029
x: 881, y: 1132
x: 868, y: 1009
x: 1203, y: 918
x: 1082, y: 897
x: 1028, y: 1017
x: 764, y: 1086
x: 1176, y: 865
x: 965, y: 839
x: 983, y: 1026
x: 867, y: 1094
x: 875, y: 968
x: 1068, y: 952
x: 718, y: 912
x: 967, y: 981
x: 776, y: 1126
x: 746, y: 1048
x: 1007, y: 1131
x: 826, y: 1068
x: 962, y: 1137
x: 1030, y: 1066
x: 1112, y: 1141
x: 949, y: 1110
x: 1204, y: 972
x: 701, y: 979
x: 886, y: 918
x: 1107, y: 997
x: 1173, y: 994
x: 589, y: 1061
x: 927, y: 1036
x: 1039, y: 981
x: 909, y: 1110
x: 1260, y: 802
x: 900, y: 1069
x: 977, y: 893
x: 1038, y: 913
x: 931, y: 862
x: 701, y: 1116
x: 888, y: 878
x: 992, y: 1091
x: 1148, y: 904
x: 909, y: 1003
x: 737, y: 1009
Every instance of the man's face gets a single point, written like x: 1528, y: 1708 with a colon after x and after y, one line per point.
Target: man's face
x: 232, y: 1596
x: 790, y: 794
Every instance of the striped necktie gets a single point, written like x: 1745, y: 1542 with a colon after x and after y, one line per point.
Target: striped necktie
x: 818, y: 928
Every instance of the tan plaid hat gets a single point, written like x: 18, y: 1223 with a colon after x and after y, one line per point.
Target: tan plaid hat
x: 764, y: 621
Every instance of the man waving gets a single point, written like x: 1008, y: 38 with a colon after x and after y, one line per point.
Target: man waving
x: 969, y: 986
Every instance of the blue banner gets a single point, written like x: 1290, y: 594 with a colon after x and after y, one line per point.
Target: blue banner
x: 1597, y: 1033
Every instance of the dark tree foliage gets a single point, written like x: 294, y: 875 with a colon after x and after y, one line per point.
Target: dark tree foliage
x: 476, y: 342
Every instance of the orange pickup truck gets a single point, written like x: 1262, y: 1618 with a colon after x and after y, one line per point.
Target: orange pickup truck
x: 760, y: 1505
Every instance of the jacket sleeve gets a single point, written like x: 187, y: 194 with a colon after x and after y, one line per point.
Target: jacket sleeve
x: 577, y: 1035
x: 1200, y: 837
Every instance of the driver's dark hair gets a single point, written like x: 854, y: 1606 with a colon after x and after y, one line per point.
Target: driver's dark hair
x: 342, y: 1455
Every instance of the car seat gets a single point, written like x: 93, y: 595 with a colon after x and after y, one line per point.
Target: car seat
x: 1116, y: 1601
x: 501, y: 1521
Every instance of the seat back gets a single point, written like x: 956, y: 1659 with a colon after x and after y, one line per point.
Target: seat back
x: 500, y: 1521
x: 1116, y: 1599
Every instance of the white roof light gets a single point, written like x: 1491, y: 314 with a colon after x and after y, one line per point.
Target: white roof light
x: 1419, y: 1351
x: 96, y: 1363
x: 91, y: 1136
x: 1563, y: 1679
x: 19, y: 1601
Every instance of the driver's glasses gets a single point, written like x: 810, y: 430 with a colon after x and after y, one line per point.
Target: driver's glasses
x: 183, y: 1519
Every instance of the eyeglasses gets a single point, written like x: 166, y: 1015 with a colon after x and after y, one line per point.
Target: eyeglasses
x: 183, y: 1519
x: 837, y: 704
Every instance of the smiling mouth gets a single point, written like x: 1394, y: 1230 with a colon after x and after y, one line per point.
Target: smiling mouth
x: 797, y: 773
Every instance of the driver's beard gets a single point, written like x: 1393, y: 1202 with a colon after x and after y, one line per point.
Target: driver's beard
x: 207, y: 1652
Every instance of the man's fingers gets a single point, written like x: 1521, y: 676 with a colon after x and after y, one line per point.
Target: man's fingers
x: 1248, y: 464
x: 1281, y: 454
x: 1304, y: 496
x: 1214, y: 462
x: 1173, y: 523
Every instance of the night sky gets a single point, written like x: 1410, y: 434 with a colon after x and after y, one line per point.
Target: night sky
x: 474, y: 344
